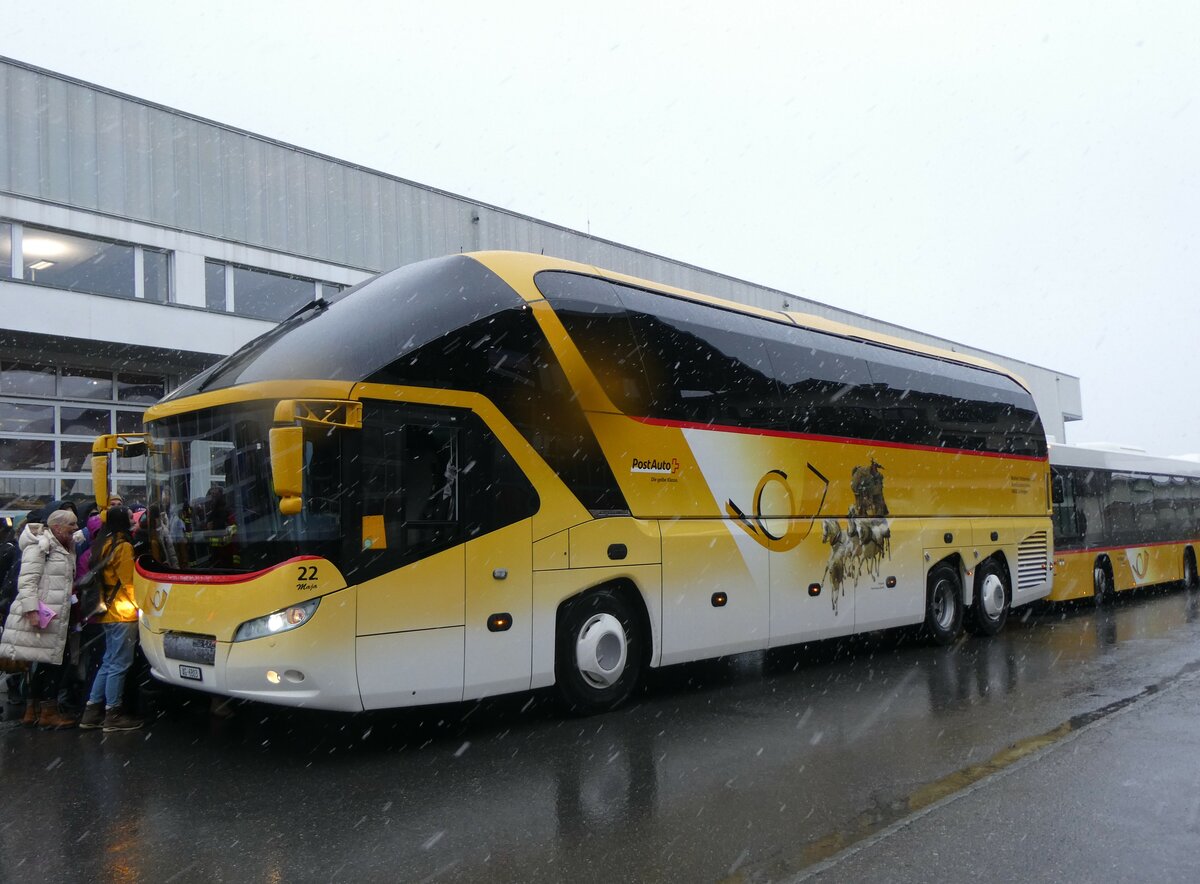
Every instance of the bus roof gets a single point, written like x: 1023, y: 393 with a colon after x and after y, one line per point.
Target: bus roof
x: 1087, y: 457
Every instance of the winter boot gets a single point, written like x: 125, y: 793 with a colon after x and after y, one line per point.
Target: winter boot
x: 116, y: 720
x: 50, y: 719
x: 30, y: 718
x: 93, y: 716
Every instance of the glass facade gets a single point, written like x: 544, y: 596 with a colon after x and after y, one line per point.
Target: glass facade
x: 264, y: 295
x: 5, y: 250
x: 261, y: 294
x: 156, y: 275
x: 214, y: 286
x: 49, y: 417
x: 78, y: 264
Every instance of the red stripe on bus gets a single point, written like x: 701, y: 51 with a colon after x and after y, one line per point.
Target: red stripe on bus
x: 160, y: 577
x: 842, y: 440
x: 1100, y: 549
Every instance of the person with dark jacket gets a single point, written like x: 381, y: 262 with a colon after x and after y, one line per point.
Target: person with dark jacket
x: 114, y: 544
x: 10, y: 558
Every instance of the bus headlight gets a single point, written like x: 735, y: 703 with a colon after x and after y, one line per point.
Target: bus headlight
x: 277, y: 622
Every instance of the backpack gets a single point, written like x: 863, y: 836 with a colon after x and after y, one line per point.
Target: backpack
x: 94, y: 596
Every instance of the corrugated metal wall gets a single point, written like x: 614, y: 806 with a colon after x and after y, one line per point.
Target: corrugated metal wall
x: 77, y: 145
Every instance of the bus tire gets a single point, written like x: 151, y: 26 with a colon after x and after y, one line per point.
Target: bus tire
x: 1102, y: 582
x: 599, y: 653
x: 1191, y: 578
x: 993, y: 596
x: 943, y: 604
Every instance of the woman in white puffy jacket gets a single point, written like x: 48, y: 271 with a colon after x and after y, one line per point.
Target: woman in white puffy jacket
x: 39, y: 620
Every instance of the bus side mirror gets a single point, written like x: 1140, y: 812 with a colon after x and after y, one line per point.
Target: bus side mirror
x: 287, y: 468
x: 125, y: 445
x: 100, y: 475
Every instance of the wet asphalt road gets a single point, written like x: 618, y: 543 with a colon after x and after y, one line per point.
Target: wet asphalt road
x: 762, y: 767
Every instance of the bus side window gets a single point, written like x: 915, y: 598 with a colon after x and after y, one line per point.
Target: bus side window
x: 497, y: 492
x: 1059, y: 491
x: 1070, y: 523
x: 411, y: 466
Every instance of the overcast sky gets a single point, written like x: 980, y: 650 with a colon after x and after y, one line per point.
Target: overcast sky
x: 1021, y: 178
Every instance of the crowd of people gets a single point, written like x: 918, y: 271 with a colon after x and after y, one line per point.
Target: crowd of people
x: 71, y: 665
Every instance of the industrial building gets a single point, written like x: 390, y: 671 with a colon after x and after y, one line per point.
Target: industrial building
x: 139, y: 244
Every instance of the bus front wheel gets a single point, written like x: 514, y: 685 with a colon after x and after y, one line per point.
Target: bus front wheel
x: 1190, y: 578
x: 989, y: 610
x: 599, y: 654
x: 943, y: 604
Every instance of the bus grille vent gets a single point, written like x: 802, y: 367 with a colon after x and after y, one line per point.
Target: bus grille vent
x: 1031, y: 561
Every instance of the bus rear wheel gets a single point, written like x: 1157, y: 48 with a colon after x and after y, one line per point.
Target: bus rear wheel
x: 599, y: 654
x: 943, y: 604
x: 989, y: 609
x: 1102, y: 582
x: 1191, y: 580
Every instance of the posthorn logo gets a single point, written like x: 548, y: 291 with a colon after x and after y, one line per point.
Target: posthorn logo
x: 660, y: 467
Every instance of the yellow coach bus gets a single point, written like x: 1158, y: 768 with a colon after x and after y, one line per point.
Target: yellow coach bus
x: 1122, y: 520
x: 495, y: 472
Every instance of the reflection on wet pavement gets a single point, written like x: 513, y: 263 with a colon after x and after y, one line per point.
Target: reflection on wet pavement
x: 750, y: 767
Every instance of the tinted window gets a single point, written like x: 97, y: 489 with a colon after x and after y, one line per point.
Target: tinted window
x: 825, y: 384
x: 1115, y: 508
x: 598, y: 323
x: 699, y: 363
x: 432, y: 478
x: 505, y: 357
x: 947, y: 405
x: 702, y: 365
x: 369, y: 328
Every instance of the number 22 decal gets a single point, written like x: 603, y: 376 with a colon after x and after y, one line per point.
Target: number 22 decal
x: 307, y: 572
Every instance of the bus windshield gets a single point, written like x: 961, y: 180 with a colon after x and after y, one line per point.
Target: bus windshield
x: 213, y: 508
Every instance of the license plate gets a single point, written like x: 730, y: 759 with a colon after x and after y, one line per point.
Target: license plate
x: 190, y: 648
x: 192, y: 672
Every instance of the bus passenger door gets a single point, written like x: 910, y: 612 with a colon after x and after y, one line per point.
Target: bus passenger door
x: 410, y: 634
x: 499, y: 611
x: 498, y: 506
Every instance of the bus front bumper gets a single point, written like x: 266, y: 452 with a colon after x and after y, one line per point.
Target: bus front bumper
x: 311, y: 666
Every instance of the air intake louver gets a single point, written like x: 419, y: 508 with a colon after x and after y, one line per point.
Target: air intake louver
x: 1031, y: 561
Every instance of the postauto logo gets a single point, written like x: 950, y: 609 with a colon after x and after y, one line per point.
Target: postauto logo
x: 660, y: 466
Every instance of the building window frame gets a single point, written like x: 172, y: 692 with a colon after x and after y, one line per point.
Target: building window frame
x: 17, y: 268
x: 321, y: 288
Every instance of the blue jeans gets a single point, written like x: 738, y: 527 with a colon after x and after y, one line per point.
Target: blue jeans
x: 120, y: 641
